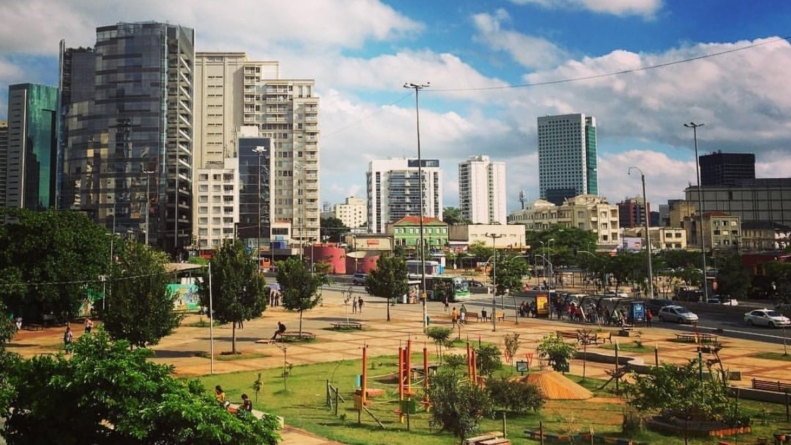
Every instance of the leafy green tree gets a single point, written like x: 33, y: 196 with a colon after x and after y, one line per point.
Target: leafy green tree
x: 509, y: 270
x: 440, y: 336
x: 389, y: 280
x: 557, y: 352
x: 109, y: 394
x: 63, y: 252
x: 479, y: 250
x: 514, y: 395
x: 7, y: 326
x: 300, y: 287
x: 139, y: 309
x: 567, y: 241
x: 487, y: 359
x: 452, y: 216
x: 780, y: 275
x: 332, y: 229
x: 732, y: 277
x: 238, y: 291
x: 457, y: 405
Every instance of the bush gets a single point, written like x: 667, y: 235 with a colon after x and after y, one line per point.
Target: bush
x: 487, y: 358
x: 515, y: 396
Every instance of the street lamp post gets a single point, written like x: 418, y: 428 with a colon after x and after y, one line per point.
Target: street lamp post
x: 260, y: 151
x: 549, y: 260
x: 494, y: 237
x: 694, y: 128
x: 417, y: 88
x: 148, y: 199
x: 647, y: 236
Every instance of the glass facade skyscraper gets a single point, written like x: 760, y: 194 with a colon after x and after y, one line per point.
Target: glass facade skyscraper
x: 567, y: 165
x: 126, y: 135
x: 29, y: 161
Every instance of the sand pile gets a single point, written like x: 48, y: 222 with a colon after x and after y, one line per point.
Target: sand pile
x: 555, y: 386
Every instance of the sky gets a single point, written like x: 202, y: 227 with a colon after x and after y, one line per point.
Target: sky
x: 642, y: 68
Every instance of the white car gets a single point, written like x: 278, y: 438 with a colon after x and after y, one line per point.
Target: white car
x: 678, y: 314
x: 766, y: 317
x: 619, y: 294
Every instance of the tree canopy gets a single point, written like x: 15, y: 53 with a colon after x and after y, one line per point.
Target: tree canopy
x: 332, y: 229
x: 300, y: 287
x: 107, y: 394
x: 509, y: 270
x: 389, y: 279
x: 452, y: 216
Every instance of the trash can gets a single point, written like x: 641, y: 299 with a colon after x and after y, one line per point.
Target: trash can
x: 404, y: 299
x: 428, y: 320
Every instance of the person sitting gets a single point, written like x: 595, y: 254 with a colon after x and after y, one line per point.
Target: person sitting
x: 219, y: 394
x: 281, y: 328
x: 247, y: 404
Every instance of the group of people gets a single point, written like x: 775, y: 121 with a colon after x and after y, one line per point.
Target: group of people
x: 528, y: 309
x: 458, y: 316
x: 222, y: 400
x: 274, y: 297
x: 68, y: 336
x: 357, y: 305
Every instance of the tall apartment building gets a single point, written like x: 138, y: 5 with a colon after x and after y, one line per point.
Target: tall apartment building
x: 127, y: 131
x: 482, y: 190
x: 28, y: 165
x: 353, y: 212
x: 217, y: 191
x: 393, y: 187
x: 233, y: 92
x: 726, y: 168
x: 631, y: 213
x: 567, y: 165
x: 3, y: 159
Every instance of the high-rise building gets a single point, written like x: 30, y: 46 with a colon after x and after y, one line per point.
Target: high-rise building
x: 217, y: 189
x: 726, y: 168
x: 394, y: 191
x: 233, y: 92
x: 482, y: 190
x: 127, y: 131
x: 567, y: 157
x: 28, y: 163
x: 353, y: 213
x: 631, y: 213
x: 3, y: 159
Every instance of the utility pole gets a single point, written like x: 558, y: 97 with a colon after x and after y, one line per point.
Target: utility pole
x: 694, y: 128
x: 647, y: 235
x: 494, y: 236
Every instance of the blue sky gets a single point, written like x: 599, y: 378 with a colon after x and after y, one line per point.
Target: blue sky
x: 360, y: 52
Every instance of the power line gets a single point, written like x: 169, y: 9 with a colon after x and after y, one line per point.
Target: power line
x: 58, y: 283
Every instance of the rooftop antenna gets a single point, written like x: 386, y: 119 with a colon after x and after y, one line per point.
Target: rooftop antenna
x: 522, y: 199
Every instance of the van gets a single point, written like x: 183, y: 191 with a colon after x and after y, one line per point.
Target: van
x: 359, y: 278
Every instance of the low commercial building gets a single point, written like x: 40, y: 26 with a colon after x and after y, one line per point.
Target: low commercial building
x: 505, y: 237
x: 406, y: 232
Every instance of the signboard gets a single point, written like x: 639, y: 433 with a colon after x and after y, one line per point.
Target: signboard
x: 522, y: 366
x: 637, y: 313
x: 187, y: 298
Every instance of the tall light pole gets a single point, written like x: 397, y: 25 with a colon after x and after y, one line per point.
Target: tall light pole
x: 148, y: 198
x: 647, y: 236
x: 417, y: 88
x: 260, y: 150
x: 494, y: 237
x: 694, y: 128
x: 549, y: 260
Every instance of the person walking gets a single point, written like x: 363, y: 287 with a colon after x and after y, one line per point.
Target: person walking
x: 648, y: 318
x: 68, y: 338
x: 463, y: 314
x: 88, y: 325
x: 354, y: 305
x: 360, y: 304
x: 447, y: 305
x: 454, y: 316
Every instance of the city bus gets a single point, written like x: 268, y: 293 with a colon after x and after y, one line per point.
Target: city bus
x: 432, y: 268
x: 455, y: 288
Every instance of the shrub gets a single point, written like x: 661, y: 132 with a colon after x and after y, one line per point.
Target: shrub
x: 515, y: 396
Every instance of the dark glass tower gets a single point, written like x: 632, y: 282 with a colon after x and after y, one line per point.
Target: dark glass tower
x: 126, y: 135
x: 726, y: 168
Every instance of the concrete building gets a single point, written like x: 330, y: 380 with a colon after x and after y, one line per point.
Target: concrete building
x: 482, y: 190
x: 393, y: 188
x: 631, y: 212
x: 762, y: 199
x: 567, y: 165
x: 762, y: 236
x: 3, y: 159
x: 585, y: 212
x: 726, y: 168
x: 127, y: 140
x: 353, y: 213
x: 679, y: 211
x: 406, y: 232
x: 510, y: 236
x: 28, y: 165
x: 217, y: 192
x: 662, y: 238
x: 720, y: 231
x: 233, y: 92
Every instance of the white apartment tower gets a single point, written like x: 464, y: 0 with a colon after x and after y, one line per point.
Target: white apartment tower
x: 482, y: 190
x: 353, y: 212
x: 232, y: 91
x: 394, y: 191
x: 566, y: 157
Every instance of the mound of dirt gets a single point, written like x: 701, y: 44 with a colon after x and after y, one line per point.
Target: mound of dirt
x: 555, y: 386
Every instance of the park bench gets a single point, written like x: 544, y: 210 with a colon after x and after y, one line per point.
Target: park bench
x: 479, y: 439
x: 568, y: 334
x: 500, y: 316
x: 767, y: 385
x: 48, y: 320
x: 472, y: 316
x: 498, y: 441
x: 346, y: 325
x: 288, y: 335
x: 686, y: 337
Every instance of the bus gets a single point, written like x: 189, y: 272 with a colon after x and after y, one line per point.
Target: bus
x: 432, y: 268
x: 455, y: 288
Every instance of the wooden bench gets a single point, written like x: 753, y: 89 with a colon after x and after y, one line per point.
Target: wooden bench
x: 478, y: 439
x: 346, y: 325
x: 568, y: 334
x: 498, y: 441
x: 686, y: 337
x: 707, y: 338
x: 471, y: 316
x: 500, y: 316
x: 48, y: 320
x: 767, y: 385
x: 291, y: 336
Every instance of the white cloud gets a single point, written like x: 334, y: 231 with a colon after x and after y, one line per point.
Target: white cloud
x: 665, y: 178
x: 530, y: 52
x: 645, y: 8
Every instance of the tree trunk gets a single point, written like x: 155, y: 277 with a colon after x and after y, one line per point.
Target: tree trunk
x: 388, y: 309
x: 233, y: 338
x: 300, y: 323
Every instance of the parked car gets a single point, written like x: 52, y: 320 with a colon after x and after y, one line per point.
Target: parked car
x: 619, y: 294
x: 677, y: 314
x: 359, y: 279
x: 475, y: 283
x: 725, y: 300
x: 654, y: 305
x: 766, y: 317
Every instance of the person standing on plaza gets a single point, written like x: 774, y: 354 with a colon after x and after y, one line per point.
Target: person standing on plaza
x: 88, y: 325
x: 445, y: 301
x: 454, y: 316
x: 360, y: 304
x: 463, y: 314
x: 648, y: 318
x: 68, y: 338
x: 354, y: 305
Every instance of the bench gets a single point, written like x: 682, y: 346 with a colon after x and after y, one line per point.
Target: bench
x: 766, y: 385
x: 346, y: 325
x: 499, y: 441
x: 48, y: 319
x: 568, y: 334
x: 478, y: 439
x: 291, y: 336
x: 500, y: 316
x: 471, y: 316
x: 686, y: 337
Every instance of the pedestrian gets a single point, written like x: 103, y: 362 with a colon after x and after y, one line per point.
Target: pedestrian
x: 648, y: 318
x: 354, y: 305
x: 281, y: 328
x: 360, y: 304
x: 18, y: 322
x: 447, y: 305
x: 68, y: 337
x: 247, y: 404
x: 88, y: 325
x: 454, y: 316
x: 463, y: 315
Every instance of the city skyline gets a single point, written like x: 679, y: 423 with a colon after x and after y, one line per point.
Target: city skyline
x: 486, y: 64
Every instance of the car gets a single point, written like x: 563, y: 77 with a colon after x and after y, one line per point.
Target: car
x: 766, y: 317
x: 612, y: 293
x: 692, y: 295
x: 654, y: 305
x: 359, y: 278
x: 475, y: 283
x: 677, y: 314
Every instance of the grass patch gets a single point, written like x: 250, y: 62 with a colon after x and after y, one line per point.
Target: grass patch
x: 202, y: 324
x: 628, y: 347
x: 228, y: 357
x: 773, y: 356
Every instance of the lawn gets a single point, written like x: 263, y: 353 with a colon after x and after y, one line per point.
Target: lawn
x: 301, y: 400
x: 774, y: 356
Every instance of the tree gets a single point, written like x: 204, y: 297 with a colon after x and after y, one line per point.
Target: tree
x: 332, y: 229
x: 457, y: 405
x: 479, y: 250
x: 7, y: 326
x: 487, y: 359
x: 567, y: 241
x: 779, y: 274
x: 732, y: 277
x: 300, y: 288
x: 440, y: 336
x: 108, y: 394
x: 64, y: 252
x: 238, y: 291
x: 557, y: 352
x: 515, y: 395
x: 389, y: 280
x: 509, y: 270
x: 140, y: 309
x: 452, y: 216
